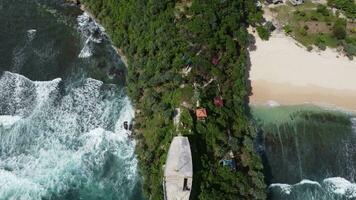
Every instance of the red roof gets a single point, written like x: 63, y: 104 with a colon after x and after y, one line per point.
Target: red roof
x: 201, y: 113
x: 215, y: 60
x: 218, y: 102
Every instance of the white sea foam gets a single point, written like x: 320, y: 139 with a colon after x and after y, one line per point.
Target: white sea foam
x: 31, y: 34
x: 63, y: 141
x: 285, y: 188
x: 334, y: 185
x: 341, y: 186
x: 92, y: 32
x: 7, y: 120
x: 83, y: 19
x: 306, y: 181
x: 90, y: 29
x: 272, y: 103
x: 86, y: 51
x: 14, y: 187
x: 353, y: 123
x: 45, y: 88
x: 22, y: 95
x: 127, y: 114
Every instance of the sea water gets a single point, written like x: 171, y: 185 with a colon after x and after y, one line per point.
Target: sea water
x: 61, y: 109
x: 308, y: 152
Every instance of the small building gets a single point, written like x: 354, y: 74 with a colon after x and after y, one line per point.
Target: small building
x: 215, y: 60
x: 219, y: 102
x: 201, y: 113
x: 229, y: 163
x: 229, y: 160
x: 178, y: 172
x: 296, y: 2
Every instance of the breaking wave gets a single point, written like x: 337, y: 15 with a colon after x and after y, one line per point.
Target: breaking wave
x: 89, y: 28
x: 333, y: 188
x: 353, y: 122
x: 93, y: 33
x: 64, y: 140
x: 86, y: 51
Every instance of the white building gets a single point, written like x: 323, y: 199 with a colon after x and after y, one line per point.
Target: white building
x: 178, y: 172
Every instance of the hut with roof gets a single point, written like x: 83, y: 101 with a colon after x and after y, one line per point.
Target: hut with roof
x: 218, y: 101
x: 178, y: 172
x: 201, y: 113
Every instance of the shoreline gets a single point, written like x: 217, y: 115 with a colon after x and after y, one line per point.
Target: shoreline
x: 284, y: 72
x: 83, y: 8
x: 275, y: 94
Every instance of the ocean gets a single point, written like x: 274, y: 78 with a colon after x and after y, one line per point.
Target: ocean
x: 62, y: 107
x: 308, y: 152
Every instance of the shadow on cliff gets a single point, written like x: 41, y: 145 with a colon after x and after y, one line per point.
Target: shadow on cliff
x: 258, y: 141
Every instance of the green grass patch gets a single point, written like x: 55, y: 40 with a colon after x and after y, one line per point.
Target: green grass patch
x: 314, y: 24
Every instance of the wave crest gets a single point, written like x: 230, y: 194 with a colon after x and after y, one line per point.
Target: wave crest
x: 66, y: 138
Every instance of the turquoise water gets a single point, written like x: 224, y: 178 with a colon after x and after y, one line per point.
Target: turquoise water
x: 62, y: 106
x: 308, y: 152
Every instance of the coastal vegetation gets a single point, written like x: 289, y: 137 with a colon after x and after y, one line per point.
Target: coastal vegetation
x: 348, y: 7
x: 264, y: 30
x: 184, y: 54
x: 317, y: 25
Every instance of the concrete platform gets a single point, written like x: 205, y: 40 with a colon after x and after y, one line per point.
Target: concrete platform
x: 178, y: 173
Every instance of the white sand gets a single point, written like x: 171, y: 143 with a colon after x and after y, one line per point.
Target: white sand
x: 285, y: 72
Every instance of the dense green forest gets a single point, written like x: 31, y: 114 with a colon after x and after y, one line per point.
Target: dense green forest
x: 208, y: 40
x: 347, y: 6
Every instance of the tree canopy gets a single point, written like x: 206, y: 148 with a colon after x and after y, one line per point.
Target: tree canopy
x: 160, y: 38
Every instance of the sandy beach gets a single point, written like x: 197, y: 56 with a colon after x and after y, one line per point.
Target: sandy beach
x: 284, y: 72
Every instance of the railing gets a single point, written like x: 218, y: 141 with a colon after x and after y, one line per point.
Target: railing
x: 164, y: 189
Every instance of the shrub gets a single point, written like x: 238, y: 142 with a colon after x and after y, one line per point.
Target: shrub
x: 321, y: 46
x: 350, y: 49
x: 303, y: 31
x: 263, y: 32
x: 320, y: 42
x: 300, y: 13
x: 339, y: 29
x: 322, y: 10
x: 314, y: 16
x: 347, y: 6
x: 309, y: 48
x: 287, y: 29
x: 269, y: 26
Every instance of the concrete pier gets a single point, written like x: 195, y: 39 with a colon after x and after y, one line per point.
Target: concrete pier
x: 178, y: 173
